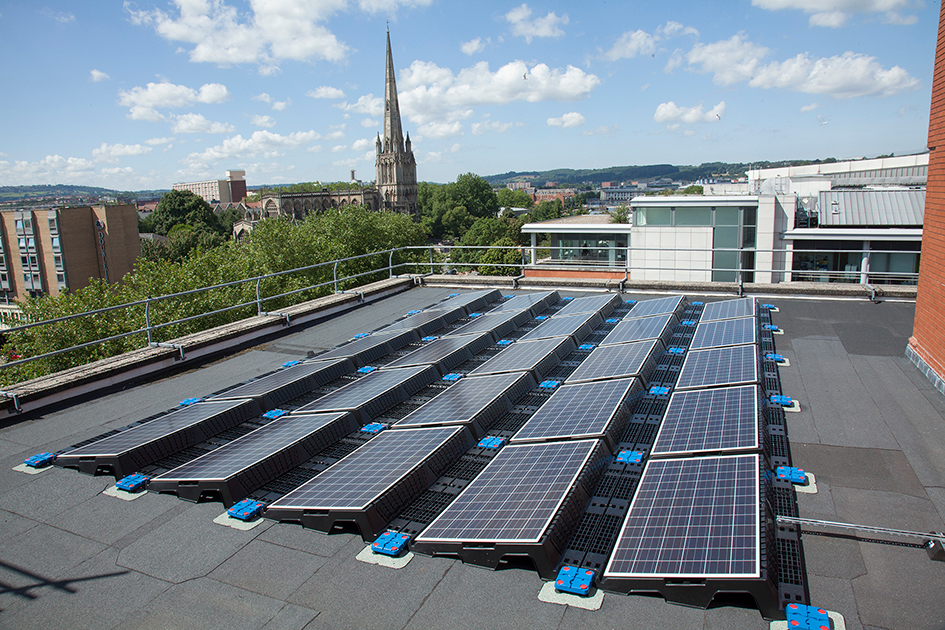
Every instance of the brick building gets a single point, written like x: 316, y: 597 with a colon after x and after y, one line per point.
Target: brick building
x: 229, y: 190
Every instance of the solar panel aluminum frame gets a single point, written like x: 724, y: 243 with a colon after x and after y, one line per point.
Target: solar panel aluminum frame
x: 698, y: 590
x: 603, y: 305
x: 534, y: 303
x: 453, y: 351
x: 642, y: 329
x: 468, y: 302
x: 550, y: 352
x: 365, y: 350
x: 509, y: 387
x: 372, y: 517
x: 695, y: 355
x: 674, y: 304
x: 283, y: 385
x: 641, y: 369
x: 575, y: 326
x: 123, y: 460
x: 498, y: 324
x: 425, y: 322
x: 545, y: 549
x: 236, y: 484
x: 729, y: 309
x: 707, y: 334
x: 373, y: 406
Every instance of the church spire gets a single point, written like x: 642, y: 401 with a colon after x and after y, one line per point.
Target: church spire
x: 393, y: 132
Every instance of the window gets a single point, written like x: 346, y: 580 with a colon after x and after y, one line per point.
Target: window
x: 653, y: 216
x: 55, y: 242
x: 19, y: 225
x: 53, y: 227
x: 61, y: 278
x: 33, y: 262
x: 28, y: 225
x: 24, y: 261
x: 21, y: 242
x: 694, y: 216
x: 31, y: 243
x: 57, y: 261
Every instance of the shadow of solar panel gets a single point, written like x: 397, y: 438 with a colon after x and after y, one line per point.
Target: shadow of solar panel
x: 288, y: 383
x: 445, y: 353
x: 732, y: 365
x: 642, y: 329
x: 710, y: 420
x: 236, y: 469
x: 627, y: 359
x: 728, y: 309
x: 475, y: 402
x: 468, y: 302
x: 599, y: 410
x: 370, y: 396
x: 526, y: 502
x: 601, y: 304
x: 370, y: 486
x: 576, y: 326
x: 672, y: 305
x: 498, y: 324
x: 130, y: 450
x: 697, y: 527
x: 539, y: 357
x: 535, y: 303
x: 367, y: 349
x: 725, y: 332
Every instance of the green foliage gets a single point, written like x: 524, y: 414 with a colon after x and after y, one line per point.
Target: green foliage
x: 495, y: 256
x: 691, y: 190
x: 183, y: 206
x: 514, y: 199
x: 546, y: 210
x: 469, y: 192
x: 620, y: 214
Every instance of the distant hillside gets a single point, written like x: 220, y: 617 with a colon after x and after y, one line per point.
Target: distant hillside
x: 12, y: 194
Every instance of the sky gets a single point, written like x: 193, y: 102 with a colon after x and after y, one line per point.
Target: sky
x: 141, y: 95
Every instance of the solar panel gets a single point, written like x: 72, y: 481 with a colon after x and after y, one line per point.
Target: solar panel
x: 132, y: 449
x: 732, y: 365
x: 526, y: 501
x: 498, y: 323
x: 630, y: 330
x: 534, y: 302
x: 576, y: 326
x: 660, y: 306
x: 692, y: 518
x: 602, y: 304
x: 288, y: 383
x: 725, y: 332
x: 364, y: 350
x: 426, y: 322
x: 476, y: 402
x: 372, y: 484
x: 539, y: 356
x: 236, y: 469
x: 626, y: 359
x: 370, y: 396
x: 469, y: 302
x: 446, y: 352
x: 728, y: 309
x: 587, y: 410
x: 713, y: 420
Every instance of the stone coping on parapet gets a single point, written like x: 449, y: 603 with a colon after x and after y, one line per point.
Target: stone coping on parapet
x: 135, y: 365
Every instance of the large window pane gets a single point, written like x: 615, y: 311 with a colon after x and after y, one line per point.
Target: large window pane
x: 653, y: 216
x: 694, y: 216
x: 726, y: 216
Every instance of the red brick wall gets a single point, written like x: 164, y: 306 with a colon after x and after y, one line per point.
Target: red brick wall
x: 928, y: 336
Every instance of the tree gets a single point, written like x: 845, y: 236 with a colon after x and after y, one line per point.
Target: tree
x: 621, y: 214
x: 469, y: 191
x: 692, y: 190
x: 495, y: 256
x: 183, y: 206
x: 547, y: 210
x: 508, y: 198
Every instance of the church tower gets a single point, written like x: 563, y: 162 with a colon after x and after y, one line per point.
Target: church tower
x: 396, y: 168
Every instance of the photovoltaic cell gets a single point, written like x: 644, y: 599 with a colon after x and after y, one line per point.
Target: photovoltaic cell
x: 626, y: 359
x: 446, y: 352
x: 659, y: 306
x: 692, y: 518
x: 498, y: 323
x: 247, y: 463
x: 469, y: 302
x: 732, y: 365
x: 533, y: 302
x: 576, y: 326
x: 641, y: 329
x: 587, y: 410
x: 367, y: 349
x: 602, y: 304
x: 728, y: 309
x: 539, y: 356
x: 725, y: 332
x: 426, y: 322
x: 288, y: 383
x: 370, y: 396
x: 723, y: 419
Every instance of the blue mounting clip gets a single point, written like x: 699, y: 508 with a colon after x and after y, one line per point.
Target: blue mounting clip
x: 549, y: 384
x: 361, y: 335
x: 697, y: 303
x: 504, y: 342
x: 768, y: 306
x: 412, y: 312
x: 777, y: 358
x: 452, y: 295
x: 246, y: 510
x: 574, y: 580
x: 40, y: 460
x: 676, y: 350
x: 428, y: 338
x: 784, y: 401
x: 491, y: 442
x: 367, y: 369
x: 475, y: 314
x: 801, y: 617
x: 452, y: 378
x: 656, y: 390
x: 390, y: 543
x: 770, y: 327
x: 631, y: 302
x: 290, y: 363
x: 567, y: 299
x: 275, y: 413
x: 133, y: 483
x: 541, y: 318
x: 586, y: 346
x: 189, y: 401
x: 688, y: 322
x: 374, y: 427
x: 629, y: 457
x: 789, y: 473
x: 611, y: 320
x: 508, y: 297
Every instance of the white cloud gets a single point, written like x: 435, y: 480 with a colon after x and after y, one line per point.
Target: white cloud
x: 369, y: 122
x: 731, y: 60
x: 95, y: 76
x: 263, y: 98
x: 118, y: 170
x: 607, y: 131
x: 143, y: 102
x: 571, y: 119
x: 436, y: 157
x: 367, y: 104
x: 672, y: 113
x: 473, y: 46
x: 325, y: 91
x: 524, y: 26
x: 836, y: 13
x: 675, y: 60
x: 390, y: 6
x: 63, y: 17
x: 339, y: 148
x: 262, y: 143
x: 440, y: 130
x: 809, y: 108
x: 50, y: 170
x: 639, y: 42
x: 263, y: 121
x: 196, y: 123
x: 158, y: 141
x: 480, y: 128
x: 111, y: 152
x: 280, y: 106
x: 362, y: 144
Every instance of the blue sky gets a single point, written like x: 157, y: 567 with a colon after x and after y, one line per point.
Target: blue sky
x: 143, y: 94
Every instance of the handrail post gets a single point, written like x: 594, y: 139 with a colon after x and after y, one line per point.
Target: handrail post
x: 147, y: 318
x: 390, y: 264
x: 431, y: 260
x: 335, y: 274
x: 258, y: 300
